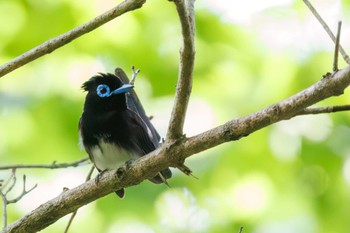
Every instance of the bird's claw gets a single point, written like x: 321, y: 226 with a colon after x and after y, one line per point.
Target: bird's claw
x: 99, y: 175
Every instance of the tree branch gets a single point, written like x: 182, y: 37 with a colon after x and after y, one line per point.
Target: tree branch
x: 332, y: 85
x: 146, y: 166
x: 24, y: 192
x: 185, y: 9
x: 4, y: 193
x: 59, y: 41
x: 54, y: 165
x: 326, y: 28
x: 336, y: 49
x: 328, y: 109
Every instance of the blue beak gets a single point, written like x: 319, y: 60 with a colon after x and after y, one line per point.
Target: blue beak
x: 123, y: 89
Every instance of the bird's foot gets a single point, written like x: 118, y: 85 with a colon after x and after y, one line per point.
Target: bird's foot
x: 128, y: 163
x: 122, y: 170
x: 99, y: 175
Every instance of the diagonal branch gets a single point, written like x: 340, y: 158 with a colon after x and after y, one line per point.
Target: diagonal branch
x: 326, y: 28
x: 332, y: 85
x: 148, y: 165
x: 336, y: 49
x: 59, y: 41
x: 185, y: 9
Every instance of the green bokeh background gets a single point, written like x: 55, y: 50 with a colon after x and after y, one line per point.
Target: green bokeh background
x: 290, y: 177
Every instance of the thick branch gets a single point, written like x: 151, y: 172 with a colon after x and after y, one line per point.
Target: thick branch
x: 147, y: 166
x: 286, y: 109
x: 185, y: 9
x: 57, y: 42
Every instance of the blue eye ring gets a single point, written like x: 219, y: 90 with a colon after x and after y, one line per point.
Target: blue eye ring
x: 103, y: 90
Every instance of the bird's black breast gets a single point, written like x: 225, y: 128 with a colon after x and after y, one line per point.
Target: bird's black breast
x: 124, y: 128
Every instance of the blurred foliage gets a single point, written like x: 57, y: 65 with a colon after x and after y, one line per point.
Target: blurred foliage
x: 290, y: 177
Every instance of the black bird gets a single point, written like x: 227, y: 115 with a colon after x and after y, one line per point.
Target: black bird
x: 114, y: 128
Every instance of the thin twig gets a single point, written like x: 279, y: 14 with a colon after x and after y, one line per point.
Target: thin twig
x: 54, y: 165
x: 12, y: 178
x: 327, y: 109
x: 336, y: 50
x: 24, y: 192
x: 4, y: 210
x: 70, y: 221
x: 5, y: 202
x: 3, y: 194
x: 88, y: 177
x: 133, y: 75
x: 185, y: 11
x: 326, y: 28
x: 59, y: 41
x: 240, y: 230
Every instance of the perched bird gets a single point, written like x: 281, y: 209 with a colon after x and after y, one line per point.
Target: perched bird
x: 114, y: 128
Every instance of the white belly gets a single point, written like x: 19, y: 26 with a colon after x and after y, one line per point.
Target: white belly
x: 110, y: 156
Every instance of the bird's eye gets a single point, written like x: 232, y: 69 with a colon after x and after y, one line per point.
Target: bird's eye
x: 103, y: 90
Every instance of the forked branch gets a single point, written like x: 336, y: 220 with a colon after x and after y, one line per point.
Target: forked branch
x: 6, y: 188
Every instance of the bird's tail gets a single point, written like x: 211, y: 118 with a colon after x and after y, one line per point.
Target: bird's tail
x: 162, y: 177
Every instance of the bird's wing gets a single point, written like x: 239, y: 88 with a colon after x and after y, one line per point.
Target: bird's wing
x: 133, y: 103
x: 141, y: 134
x: 149, y: 133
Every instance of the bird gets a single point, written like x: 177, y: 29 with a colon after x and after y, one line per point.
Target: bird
x: 114, y: 128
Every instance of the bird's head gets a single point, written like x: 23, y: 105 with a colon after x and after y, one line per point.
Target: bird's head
x: 105, y: 92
